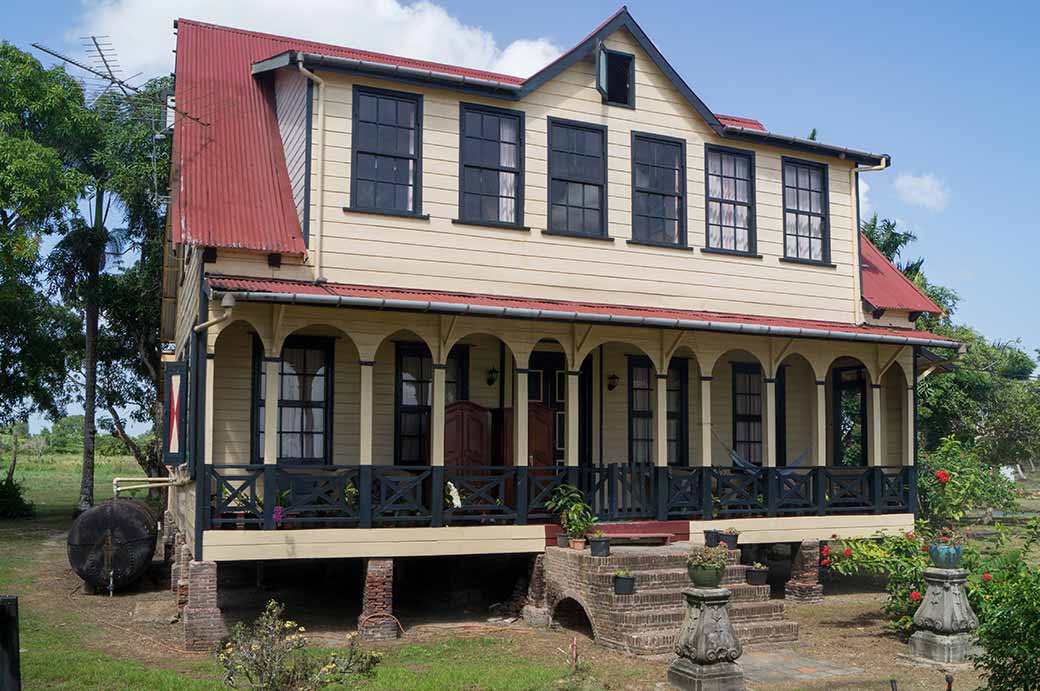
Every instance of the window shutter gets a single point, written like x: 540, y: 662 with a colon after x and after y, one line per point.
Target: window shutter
x: 601, y: 69
x: 175, y: 388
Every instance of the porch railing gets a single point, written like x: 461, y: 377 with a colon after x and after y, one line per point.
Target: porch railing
x: 274, y: 496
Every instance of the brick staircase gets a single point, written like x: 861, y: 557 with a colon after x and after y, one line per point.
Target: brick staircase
x: 648, y: 621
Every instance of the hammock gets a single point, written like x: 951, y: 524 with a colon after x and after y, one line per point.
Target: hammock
x: 744, y: 464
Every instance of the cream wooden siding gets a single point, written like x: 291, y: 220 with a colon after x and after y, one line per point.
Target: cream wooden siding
x: 801, y: 397
x: 290, y: 88
x: 892, y: 427
x: 435, y: 253
x: 188, y: 298
x: 232, y: 395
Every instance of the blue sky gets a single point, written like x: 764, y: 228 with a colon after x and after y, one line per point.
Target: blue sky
x: 950, y: 92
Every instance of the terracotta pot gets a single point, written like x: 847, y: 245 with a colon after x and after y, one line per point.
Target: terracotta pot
x: 757, y: 576
x: 705, y: 576
x: 624, y: 585
x: 578, y: 543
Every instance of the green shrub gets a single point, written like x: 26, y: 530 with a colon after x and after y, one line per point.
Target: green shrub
x: 1010, y: 634
x: 271, y: 655
x: 13, y: 503
x: 970, y: 485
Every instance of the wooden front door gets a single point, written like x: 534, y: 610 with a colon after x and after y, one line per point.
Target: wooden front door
x: 547, y: 384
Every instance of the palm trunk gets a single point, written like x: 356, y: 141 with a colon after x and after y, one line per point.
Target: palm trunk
x: 14, y: 454
x: 90, y: 315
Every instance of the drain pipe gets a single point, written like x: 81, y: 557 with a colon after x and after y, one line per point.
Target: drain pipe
x: 228, y: 303
x: 321, y: 164
x: 886, y: 161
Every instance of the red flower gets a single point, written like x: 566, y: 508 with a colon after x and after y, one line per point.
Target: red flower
x: 834, y: 536
x: 911, y: 535
x: 847, y: 552
x: 924, y: 548
x: 944, y: 538
x: 987, y: 577
x: 825, y: 562
x: 915, y: 596
x: 826, y: 551
x: 942, y: 476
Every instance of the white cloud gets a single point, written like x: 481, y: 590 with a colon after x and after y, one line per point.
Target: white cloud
x: 922, y: 190
x: 866, y: 208
x: 141, y: 31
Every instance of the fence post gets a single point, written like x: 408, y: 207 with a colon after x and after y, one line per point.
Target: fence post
x: 911, y: 499
x: 662, y: 493
x: 437, y: 496
x: 772, y: 491
x: 365, y: 496
x: 270, y: 495
x: 821, y: 491
x: 521, y: 495
x: 612, y: 491
x: 706, y: 505
x: 10, y: 664
x: 877, y: 482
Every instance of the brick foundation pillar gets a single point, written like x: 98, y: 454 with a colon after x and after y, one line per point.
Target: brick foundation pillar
x: 203, y: 623
x: 377, y: 622
x: 179, y: 572
x: 804, y: 585
x: 169, y: 535
x: 535, y: 612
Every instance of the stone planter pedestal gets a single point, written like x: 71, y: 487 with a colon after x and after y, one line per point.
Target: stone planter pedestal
x: 944, y: 621
x: 707, y: 645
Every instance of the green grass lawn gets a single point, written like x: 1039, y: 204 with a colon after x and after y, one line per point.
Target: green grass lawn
x: 61, y: 650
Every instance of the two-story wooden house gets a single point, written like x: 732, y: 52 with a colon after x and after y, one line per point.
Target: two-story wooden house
x: 407, y: 300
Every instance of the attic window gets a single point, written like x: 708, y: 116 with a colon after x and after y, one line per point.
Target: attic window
x: 615, y: 78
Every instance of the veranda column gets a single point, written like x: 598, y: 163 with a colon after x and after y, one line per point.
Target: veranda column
x: 271, y: 363
x: 661, y: 423
x: 571, y: 449
x: 367, y: 402
x: 706, y: 421
x: 208, y: 436
x: 437, y: 416
x: 874, y: 423
x: 820, y: 424
x: 908, y: 427
x: 769, y: 421
x: 520, y: 419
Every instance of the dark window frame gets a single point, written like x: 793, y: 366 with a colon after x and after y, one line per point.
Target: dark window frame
x: 824, y: 214
x: 327, y: 344
x: 682, y: 416
x: 417, y: 195
x: 748, y: 368
x: 682, y: 235
x: 404, y: 349
x: 860, y: 384
x: 602, y: 131
x: 520, y: 168
x: 752, y: 250
x: 631, y: 102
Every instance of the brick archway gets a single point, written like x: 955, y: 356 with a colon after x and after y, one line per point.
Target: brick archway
x: 573, y: 602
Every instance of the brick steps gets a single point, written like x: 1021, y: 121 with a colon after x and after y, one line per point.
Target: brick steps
x: 753, y: 633
x: 743, y: 612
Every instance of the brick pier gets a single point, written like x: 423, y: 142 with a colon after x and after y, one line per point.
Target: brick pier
x: 377, y: 622
x: 804, y: 585
x: 203, y: 623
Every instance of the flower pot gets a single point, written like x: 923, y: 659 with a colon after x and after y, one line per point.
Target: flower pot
x: 728, y: 539
x: 705, y: 576
x: 599, y: 546
x: 946, y: 556
x: 757, y: 576
x: 577, y: 543
x: 624, y: 585
x: 562, y: 540
x: 711, y: 538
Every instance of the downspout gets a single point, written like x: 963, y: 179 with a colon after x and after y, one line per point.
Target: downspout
x: 228, y: 303
x: 886, y: 161
x: 318, y: 235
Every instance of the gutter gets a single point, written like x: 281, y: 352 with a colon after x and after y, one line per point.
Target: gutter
x: 580, y: 317
x: 782, y: 140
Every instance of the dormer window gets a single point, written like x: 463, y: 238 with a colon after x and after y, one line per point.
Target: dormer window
x: 616, y: 77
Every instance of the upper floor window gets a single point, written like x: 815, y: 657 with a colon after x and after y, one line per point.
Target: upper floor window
x: 658, y: 189
x: 491, y: 188
x: 577, y: 178
x: 730, y: 199
x: 615, y: 77
x: 806, y: 232
x: 387, y: 144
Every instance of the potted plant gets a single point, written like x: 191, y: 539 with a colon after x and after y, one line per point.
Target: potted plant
x: 579, y: 520
x: 706, y: 565
x: 560, y: 502
x: 758, y: 574
x: 946, y: 549
x: 728, y: 537
x: 711, y: 537
x: 624, y: 582
x: 599, y: 544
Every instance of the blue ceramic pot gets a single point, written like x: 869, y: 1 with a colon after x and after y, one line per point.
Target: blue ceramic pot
x: 946, y: 556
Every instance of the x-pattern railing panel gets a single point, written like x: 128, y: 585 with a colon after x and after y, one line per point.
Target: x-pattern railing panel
x: 327, y: 495
x: 401, y: 494
x: 237, y: 495
x: 739, y: 491
x: 685, y: 493
x: 848, y: 489
x: 895, y: 489
x: 541, y: 483
x: 794, y: 491
x: 484, y: 494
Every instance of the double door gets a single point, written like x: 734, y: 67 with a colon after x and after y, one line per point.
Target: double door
x: 547, y: 384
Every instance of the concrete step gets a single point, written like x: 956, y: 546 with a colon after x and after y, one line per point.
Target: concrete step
x: 770, y: 610
x: 753, y: 633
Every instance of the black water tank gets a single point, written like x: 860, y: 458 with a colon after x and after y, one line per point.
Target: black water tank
x: 111, y: 545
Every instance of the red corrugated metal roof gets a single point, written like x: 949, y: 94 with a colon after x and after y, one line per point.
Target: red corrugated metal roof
x: 747, y: 123
x: 261, y: 285
x: 885, y: 286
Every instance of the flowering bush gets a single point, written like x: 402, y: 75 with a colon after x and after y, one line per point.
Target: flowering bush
x: 953, y: 481
x: 270, y: 655
x: 1010, y: 634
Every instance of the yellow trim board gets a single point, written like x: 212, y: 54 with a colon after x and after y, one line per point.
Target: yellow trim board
x: 798, y: 528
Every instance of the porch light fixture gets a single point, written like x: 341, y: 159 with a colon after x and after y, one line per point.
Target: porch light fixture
x: 492, y: 376
x: 612, y: 381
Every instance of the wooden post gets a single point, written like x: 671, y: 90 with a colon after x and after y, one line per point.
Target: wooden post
x: 10, y: 652
x: 706, y: 440
x: 437, y: 445
x: 207, y: 439
x: 365, y: 416
x: 908, y: 427
x: 769, y: 454
x: 661, y: 422
x: 820, y: 424
x: 573, y: 417
x: 520, y: 421
x: 874, y: 421
x: 271, y: 390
